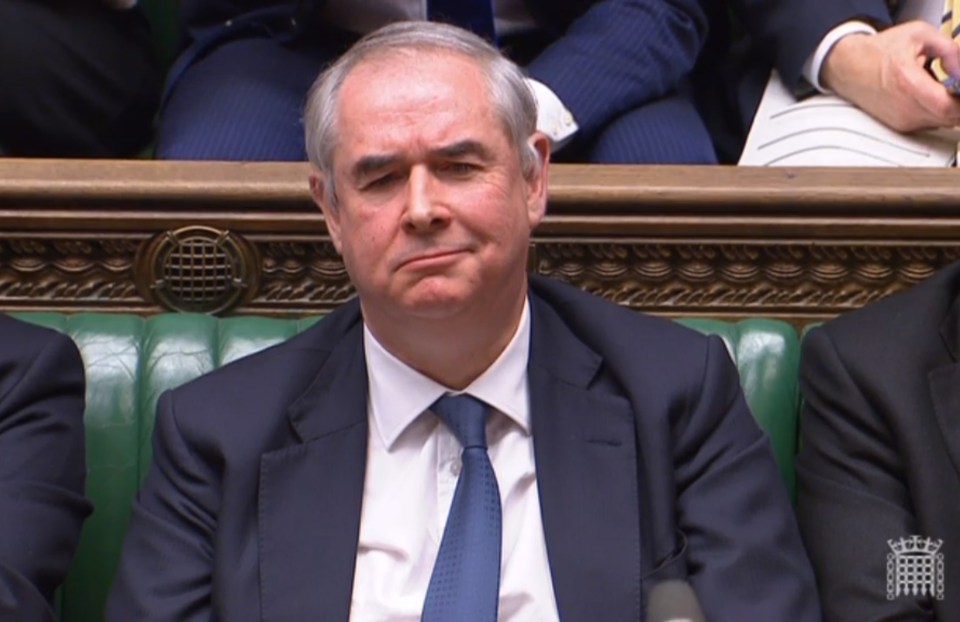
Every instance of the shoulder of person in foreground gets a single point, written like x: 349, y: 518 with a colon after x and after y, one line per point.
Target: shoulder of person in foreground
x: 42, y: 465
x: 907, y: 318
x: 254, y: 391
x: 203, y: 482
x: 874, y: 464
x: 705, y: 466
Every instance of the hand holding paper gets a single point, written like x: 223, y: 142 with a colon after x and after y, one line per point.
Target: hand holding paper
x: 885, y: 75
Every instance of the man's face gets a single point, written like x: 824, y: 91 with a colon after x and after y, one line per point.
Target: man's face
x: 434, y: 213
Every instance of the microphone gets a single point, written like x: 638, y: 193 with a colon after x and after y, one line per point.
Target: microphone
x: 674, y: 601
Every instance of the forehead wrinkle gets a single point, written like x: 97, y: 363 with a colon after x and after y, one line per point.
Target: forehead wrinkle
x: 379, y: 74
x: 364, y: 87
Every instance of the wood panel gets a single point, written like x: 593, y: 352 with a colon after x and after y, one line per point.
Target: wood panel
x: 711, y: 241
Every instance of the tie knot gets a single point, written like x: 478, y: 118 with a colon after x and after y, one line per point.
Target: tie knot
x: 466, y: 416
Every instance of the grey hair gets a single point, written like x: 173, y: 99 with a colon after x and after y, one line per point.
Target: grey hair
x: 512, y: 99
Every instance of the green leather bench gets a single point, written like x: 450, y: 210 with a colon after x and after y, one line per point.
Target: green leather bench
x: 131, y: 360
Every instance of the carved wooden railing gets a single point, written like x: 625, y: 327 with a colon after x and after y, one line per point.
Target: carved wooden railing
x: 727, y: 242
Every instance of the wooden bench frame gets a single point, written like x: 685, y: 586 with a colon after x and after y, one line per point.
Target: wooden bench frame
x: 725, y: 242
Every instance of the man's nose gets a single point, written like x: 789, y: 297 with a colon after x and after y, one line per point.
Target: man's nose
x: 426, y: 207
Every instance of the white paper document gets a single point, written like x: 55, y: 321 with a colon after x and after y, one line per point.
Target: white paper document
x: 825, y: 130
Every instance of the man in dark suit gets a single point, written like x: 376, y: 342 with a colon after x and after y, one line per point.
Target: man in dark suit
x: 312, y: 481
x: 615, y: 71
x: 880, y: 454
x: 42, y: 469
x: 78, y: 77
x: 850, y: 48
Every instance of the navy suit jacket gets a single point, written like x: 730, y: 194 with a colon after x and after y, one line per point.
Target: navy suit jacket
x: 880, y: 457
x: 649, y: 467
x: 605, y: 57
x: 793, y: 30
x: 764, y: 34
x: 42, y: 468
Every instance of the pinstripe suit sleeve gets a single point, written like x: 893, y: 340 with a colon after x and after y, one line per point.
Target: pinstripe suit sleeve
x: 620, y: 54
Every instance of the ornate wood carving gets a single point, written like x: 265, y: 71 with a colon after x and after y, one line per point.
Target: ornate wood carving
x: 304, y: 274
x: 755, y: 278
x: 669, y: 277
x: 52, y: 272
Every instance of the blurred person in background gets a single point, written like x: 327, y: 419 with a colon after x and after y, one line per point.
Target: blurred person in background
x: 611, y: 77
x: 78, y: 78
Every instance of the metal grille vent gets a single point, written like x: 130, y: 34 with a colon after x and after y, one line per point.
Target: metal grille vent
x: 199, y: 269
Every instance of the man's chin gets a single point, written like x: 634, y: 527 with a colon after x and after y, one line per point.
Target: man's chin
x: 435, y: 306
x: 436, y: 296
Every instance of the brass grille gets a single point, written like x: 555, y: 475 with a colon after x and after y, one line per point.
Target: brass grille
x: 198, y: 269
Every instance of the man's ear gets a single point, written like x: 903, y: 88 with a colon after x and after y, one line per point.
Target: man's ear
x: 537, y: 178
x: 331, y: 215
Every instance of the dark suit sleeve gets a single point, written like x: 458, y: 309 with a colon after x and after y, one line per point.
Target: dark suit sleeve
x: 744, y: 553
x: 792, y: 30
x: 852, y: 495
x: 619, y: 55
x: 167, y: 561
x: 42, y: 469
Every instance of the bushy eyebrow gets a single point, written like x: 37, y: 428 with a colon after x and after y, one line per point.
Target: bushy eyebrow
x: 368, y: 165
x: 468, y: 147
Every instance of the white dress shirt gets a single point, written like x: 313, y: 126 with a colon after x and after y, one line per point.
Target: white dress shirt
x: 413, y: 462
x: 510, y: 17
x: 929, y: 11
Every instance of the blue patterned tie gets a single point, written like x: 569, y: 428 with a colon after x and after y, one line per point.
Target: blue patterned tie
x: 465, y: 585
x: 474, y: 15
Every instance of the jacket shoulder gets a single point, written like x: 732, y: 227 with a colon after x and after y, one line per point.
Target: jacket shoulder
x: 263, y: 384
x: 595, y: 318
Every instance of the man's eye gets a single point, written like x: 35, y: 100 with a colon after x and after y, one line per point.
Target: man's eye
x: 459, y: 168
x: 383, y: 181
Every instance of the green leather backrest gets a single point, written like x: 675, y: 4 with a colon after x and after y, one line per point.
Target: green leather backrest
x: 131, y: 360
x: 767, y: 354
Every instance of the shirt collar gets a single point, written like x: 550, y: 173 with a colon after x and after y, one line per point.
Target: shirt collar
x: 399, y: 394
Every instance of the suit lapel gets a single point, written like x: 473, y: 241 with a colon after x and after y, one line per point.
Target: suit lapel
x: 310, y: 495
x: 945, y: 386
x: 585, y: 449
x: 584, y: 445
